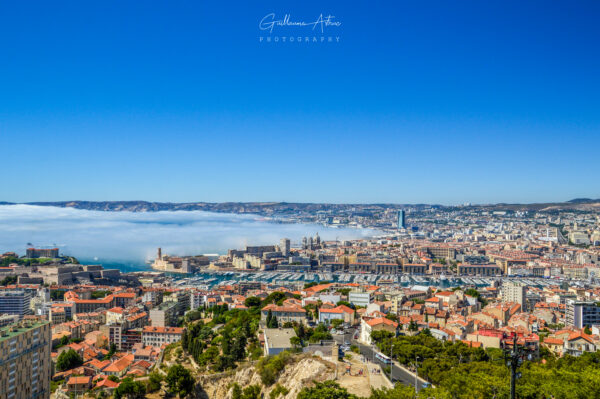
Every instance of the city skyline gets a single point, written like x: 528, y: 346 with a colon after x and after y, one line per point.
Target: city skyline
x: 285, y: 199
x: 449, y: 103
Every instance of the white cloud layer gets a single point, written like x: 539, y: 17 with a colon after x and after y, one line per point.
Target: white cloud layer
x: 131, y: 238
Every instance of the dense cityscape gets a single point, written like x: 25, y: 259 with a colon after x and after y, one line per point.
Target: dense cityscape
x: 285, y: 199
x: 464, y: 288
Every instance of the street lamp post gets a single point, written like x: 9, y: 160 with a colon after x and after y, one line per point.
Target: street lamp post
x: 514, y: 359
x: 391, y: 362
x: 416, y: 364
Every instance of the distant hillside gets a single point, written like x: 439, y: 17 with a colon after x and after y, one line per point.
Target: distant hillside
x: 583, y: 201
x: 283, y: 208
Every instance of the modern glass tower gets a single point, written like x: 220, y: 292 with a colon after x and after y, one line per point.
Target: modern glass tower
x: 401, y: 220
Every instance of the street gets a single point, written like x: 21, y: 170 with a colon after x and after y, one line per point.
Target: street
x: 398, y: 374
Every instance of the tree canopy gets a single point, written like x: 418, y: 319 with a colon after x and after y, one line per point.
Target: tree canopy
x: 325, y: 390
x: 179, y: 380
x: 67, y: 360
x: 459, y: 371
x: 130, y: 389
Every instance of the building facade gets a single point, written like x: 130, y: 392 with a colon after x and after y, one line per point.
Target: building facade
x: 164, y: 315
x: 15, y: 302
x: 515, y: 292
x: 580, y: 314
x: 41, y: 253
x: 158, y: 336
x: 25, y: 364
x: 401, y: 219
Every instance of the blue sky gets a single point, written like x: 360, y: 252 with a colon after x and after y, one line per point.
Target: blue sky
x: 438, y: 102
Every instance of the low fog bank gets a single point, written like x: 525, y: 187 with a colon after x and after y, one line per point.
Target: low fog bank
x: 131, y: 238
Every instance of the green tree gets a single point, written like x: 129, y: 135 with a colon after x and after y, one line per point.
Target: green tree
x: 236, y: 392
x: 273, y: 323
x: 325, y: 390
x: 269, y: 318
x: 337, y: 322
x: 179, y: 380
x: 278, y: 390
x: 296, y: 342
x: 398, y: 392
x: 154, y: 381
x: 8, y: 280
x: 130, y: 389
x: 250, y: 392
x: 193, y: 315
x: 269, y: 367
x: 412, y: 326
x: 111, y: 351
x: 252, y: 302
x: 276, y: 297
x: 67, y: 360
x: 64, y: 340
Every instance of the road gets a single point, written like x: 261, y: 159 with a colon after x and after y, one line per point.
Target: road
x: 398, y: 374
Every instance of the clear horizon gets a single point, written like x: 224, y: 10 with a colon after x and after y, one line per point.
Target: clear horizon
x: 442, y: 103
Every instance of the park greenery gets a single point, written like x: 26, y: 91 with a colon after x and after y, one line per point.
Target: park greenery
x: 459, y: 371
x: 332, y: 390
x: 455, y: 370
x: 230, y: 337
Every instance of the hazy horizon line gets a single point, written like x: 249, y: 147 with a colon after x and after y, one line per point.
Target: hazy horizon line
x: 468, y: 203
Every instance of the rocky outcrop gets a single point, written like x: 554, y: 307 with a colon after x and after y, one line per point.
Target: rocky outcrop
x: 295, y: 376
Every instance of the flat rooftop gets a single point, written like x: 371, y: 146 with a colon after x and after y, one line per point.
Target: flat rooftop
x: 19, y: 328
x: 279, y: 337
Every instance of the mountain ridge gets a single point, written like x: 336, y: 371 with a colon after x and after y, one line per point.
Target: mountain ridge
x: 291, y: 207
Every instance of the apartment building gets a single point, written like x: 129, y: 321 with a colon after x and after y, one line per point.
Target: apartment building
x: 341, y: 312
x: 582, y: 313
x: 358, y: 298
x: 164, y: 315
x: 284, y: 313
x: 515, y: 292
x: 25, y: 364
x: 197, y: 299
x: 158, y: 336
x: 15, y: 302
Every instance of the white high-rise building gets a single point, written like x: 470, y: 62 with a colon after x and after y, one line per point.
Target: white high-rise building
x: 515, y: 292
